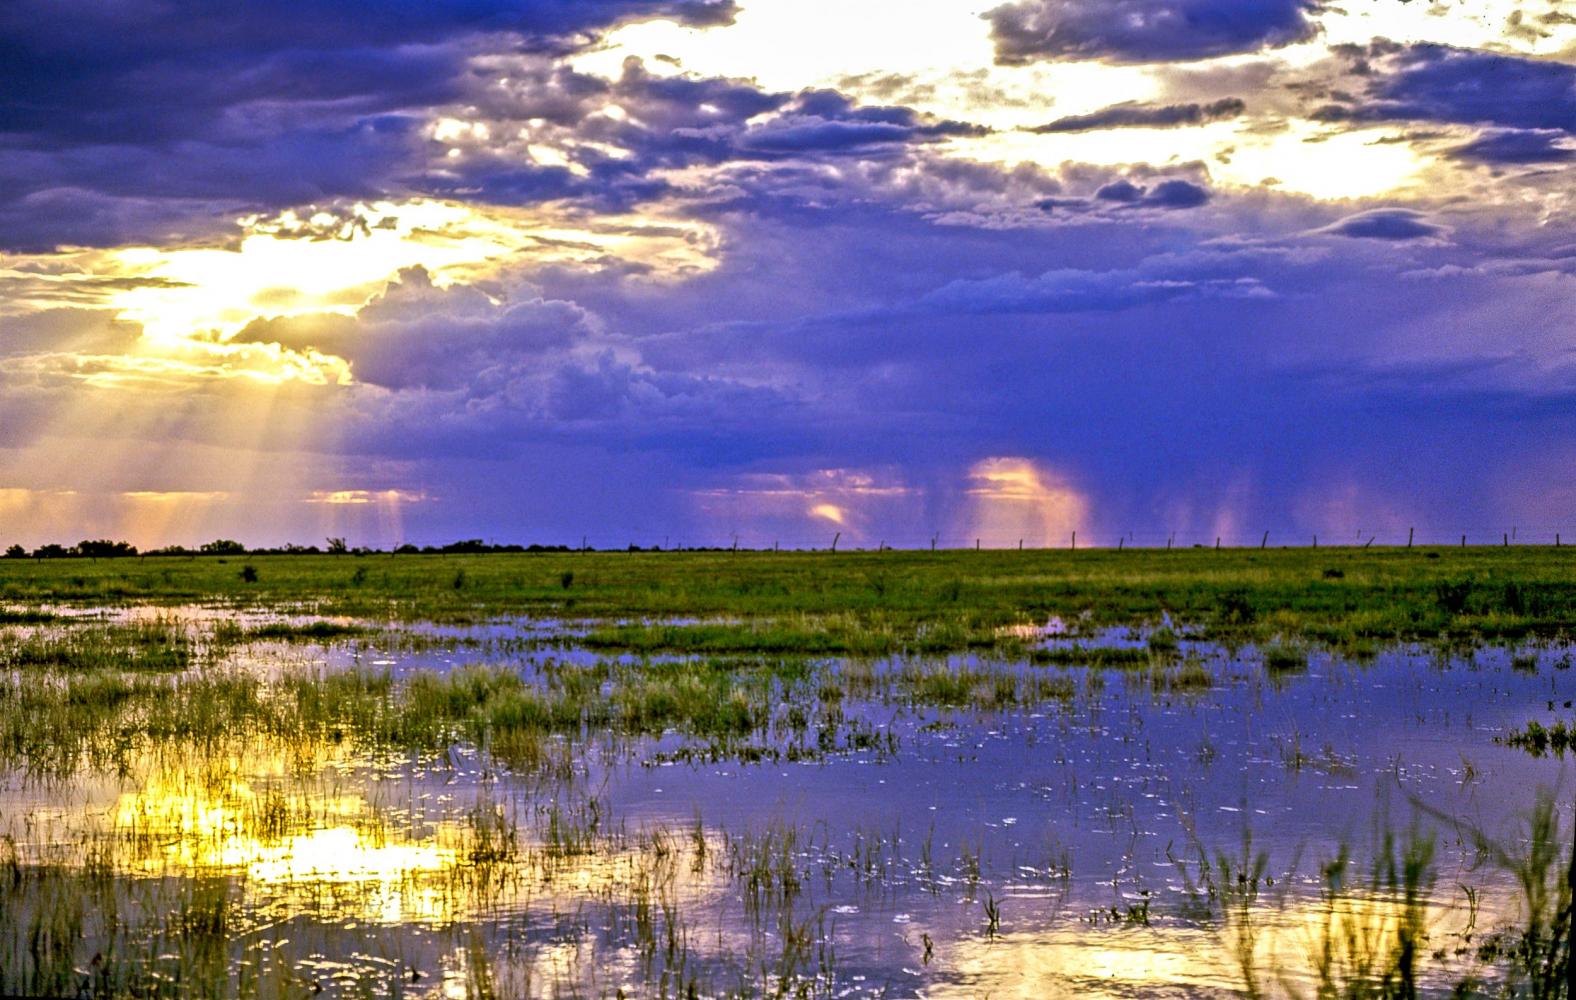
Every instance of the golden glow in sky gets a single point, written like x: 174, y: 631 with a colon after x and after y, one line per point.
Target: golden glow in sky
x: 277, y: 271
x: 1013, y: 499
x: 937, y: 57
x: 189, y: 301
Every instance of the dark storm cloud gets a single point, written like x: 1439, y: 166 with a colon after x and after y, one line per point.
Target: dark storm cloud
x: 1172, y: 193
x: 824, y: 121
x: 149, y: 70
x: 1136, y: 115
x: 1149, y: 363
x: 1439, y: 83
x: 1145, y: 30
x: 676, y: 122
x: 1386, y: 224
x: 247, y: 106
x: 450, y: 370
x: 873, y: 305
x: 416, y: 336
x: 1507, y: 147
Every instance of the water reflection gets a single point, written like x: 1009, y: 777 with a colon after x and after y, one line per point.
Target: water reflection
x: 1065, y: 808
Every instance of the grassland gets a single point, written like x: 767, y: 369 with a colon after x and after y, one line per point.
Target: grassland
x: 868, y: 603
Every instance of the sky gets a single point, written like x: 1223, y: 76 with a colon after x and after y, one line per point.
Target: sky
x: 698, y: 272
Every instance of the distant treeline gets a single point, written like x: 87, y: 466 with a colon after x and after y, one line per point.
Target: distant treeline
x: 104, y: 548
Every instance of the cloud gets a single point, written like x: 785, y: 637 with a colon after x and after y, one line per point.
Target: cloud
x: 1510, y: 147
x: 67, y: 331
x: 1172, y: 193
x: 259, y: 105
x: 417, y: 336
x: 1136, y: 115
x: 595, y: 404
x: 822, y: 121
x: 838, y: 288
x: 1069, y: 290
x: 1441, y: 83
x: 1395, y: 224
x: 1145, y: 30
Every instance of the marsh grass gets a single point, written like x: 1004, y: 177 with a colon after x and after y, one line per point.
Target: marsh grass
x: 159, y: 645
x: 785, y: 663
x: 1284, y: 658
x: 1097, y: 656
x: 27, y: 616
x: 317, y: 631
x: 99, y: 700
x: 1538, y: 739
x: 1377, y: 930
x: 803, y: 603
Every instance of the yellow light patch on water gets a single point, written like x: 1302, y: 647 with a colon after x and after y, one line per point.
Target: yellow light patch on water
x: 1126, y: 961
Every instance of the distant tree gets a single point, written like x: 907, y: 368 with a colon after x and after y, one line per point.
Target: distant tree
x: 337, y: 547
x: 51, y: 551
x: 16, y: 552
x: 467, y: 545
x: 103, y: 548
x: 406, y: 549
x: 222, y: 547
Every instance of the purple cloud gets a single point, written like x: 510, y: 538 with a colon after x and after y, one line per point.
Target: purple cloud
x: 1145, y: 30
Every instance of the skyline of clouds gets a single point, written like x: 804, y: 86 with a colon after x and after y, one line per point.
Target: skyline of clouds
x: 533, y: 271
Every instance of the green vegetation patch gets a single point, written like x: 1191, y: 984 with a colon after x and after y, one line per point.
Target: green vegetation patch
x: 150, y: 646
x: 876, y: 603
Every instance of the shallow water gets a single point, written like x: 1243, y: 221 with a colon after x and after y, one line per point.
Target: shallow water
x: 1077, y: 822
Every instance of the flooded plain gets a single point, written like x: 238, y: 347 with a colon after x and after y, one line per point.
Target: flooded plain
x: 202, y: 800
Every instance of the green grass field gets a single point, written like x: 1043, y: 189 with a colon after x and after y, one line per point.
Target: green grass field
x: 874, y: 603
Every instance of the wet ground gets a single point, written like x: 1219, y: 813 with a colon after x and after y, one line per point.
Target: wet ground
x: 1045, y: 848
